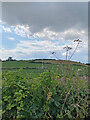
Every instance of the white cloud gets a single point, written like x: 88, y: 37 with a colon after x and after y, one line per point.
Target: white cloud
x: 69, y: 34
x: 39, y: 45
x: 6, y: 29
x: 39, y: 48
x: 47, y: 42
x: 11, y: 38
x: 22, y: 30
x: 64, y: 53
x: 47, y: 34
x: 26, y: 48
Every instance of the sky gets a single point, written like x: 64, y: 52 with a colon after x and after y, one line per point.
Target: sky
x: 33, y: 30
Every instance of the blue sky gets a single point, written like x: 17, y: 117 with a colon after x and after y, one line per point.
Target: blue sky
x: 35, y: 39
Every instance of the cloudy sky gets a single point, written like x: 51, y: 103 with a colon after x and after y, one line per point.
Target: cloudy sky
x: 34, y: 30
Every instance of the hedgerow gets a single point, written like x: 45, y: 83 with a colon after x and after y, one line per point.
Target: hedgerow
x: 44, y: 97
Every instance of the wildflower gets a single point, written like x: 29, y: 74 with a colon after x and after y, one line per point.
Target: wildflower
x: 67, y: 49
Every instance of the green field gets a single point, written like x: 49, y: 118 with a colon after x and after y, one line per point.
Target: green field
x: 44, y: 89
x: 34, y: 68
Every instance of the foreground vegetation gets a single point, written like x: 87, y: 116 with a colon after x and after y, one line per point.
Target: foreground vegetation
x: 59, y: 91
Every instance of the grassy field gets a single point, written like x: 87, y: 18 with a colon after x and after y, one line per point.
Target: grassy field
x: 34, y: 68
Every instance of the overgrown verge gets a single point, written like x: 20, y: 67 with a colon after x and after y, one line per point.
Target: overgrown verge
x: 48, y: 96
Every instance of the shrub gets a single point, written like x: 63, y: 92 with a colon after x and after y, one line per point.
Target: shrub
x: 47, y: 96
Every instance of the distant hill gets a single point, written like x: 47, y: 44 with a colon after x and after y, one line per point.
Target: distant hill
x: 59, y: 61
x: 53, y: 61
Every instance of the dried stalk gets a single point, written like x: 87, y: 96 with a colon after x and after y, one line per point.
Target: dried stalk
x: 65, y: 100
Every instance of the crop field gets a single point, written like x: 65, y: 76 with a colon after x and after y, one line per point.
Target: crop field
x: 44, y: 89
x: 34, y: 68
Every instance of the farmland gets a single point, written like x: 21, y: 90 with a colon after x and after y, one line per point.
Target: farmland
x: 44, y: 89
x: 35, y: 67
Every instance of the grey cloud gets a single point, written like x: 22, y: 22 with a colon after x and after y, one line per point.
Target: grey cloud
x: 57, y: 16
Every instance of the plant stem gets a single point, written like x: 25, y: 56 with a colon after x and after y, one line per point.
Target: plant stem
x: 65, y: 101
x: 74, y: 51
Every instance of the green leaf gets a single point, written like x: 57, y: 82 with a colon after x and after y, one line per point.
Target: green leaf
x: 57, y: 104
